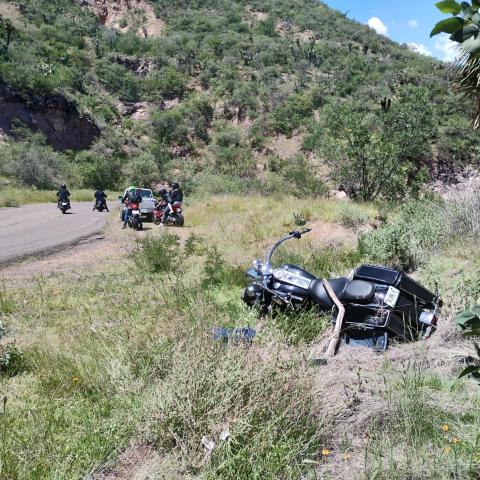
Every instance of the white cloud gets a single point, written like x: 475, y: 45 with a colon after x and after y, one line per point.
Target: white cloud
x: 412, y: 24
x: 448, y: 48
x: 378, y: 26
x: 419, y: 48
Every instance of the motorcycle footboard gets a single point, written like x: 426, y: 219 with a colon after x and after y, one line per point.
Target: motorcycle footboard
x: 376, y: 340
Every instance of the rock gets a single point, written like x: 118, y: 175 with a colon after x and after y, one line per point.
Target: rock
x: 339, y: 195
x: 53, y: 115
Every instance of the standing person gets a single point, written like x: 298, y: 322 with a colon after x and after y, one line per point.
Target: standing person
x: 100, y: 196
x: 174, y: 196
x: 132, y: 195
x: 63, y: 194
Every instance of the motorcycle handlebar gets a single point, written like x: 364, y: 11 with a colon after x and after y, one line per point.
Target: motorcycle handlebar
x: 298, y: 233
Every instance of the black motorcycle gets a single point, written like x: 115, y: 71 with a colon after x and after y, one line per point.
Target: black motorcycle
x: 380, y: 303
x: 64, y: 205
x: 100, y: 205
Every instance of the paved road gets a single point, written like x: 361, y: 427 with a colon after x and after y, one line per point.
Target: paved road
x: 42, y: 227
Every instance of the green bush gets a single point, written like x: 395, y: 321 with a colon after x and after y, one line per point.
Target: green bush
x: 296, y: 176
x: 352, y: 216
x: 32, y: 163
x: 292, y: 113
x: 159, y: 254
x: 409, y: 239
x: 96, y: 169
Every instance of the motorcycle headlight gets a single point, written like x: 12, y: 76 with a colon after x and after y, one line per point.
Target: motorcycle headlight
x: 250, y: 293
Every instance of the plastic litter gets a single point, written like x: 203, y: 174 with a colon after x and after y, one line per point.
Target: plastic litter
x: 235, y: 336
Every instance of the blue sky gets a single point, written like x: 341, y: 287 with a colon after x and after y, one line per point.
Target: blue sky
x: 405, y: 21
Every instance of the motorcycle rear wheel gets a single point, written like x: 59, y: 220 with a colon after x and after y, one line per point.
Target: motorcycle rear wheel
x: 179, y: 220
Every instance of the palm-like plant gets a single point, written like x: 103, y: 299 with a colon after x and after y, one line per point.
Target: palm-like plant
x: 464, y: 28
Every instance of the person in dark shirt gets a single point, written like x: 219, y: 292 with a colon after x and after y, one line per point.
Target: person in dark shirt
x: 63, y: 194
x: 100, y: 196
x: 132, y: 195
x: 174, y: 196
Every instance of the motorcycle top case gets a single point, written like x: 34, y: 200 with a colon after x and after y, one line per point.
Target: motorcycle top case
x: 388, y: 276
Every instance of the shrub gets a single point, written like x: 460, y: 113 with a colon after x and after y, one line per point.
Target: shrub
x: 12, y: 360
x: 298, y: 177
x: 159, y: 254
x: 117, y: 79
x: 409, y: 239
x: 292, y: 113
x: 32, y: 163
x: 165, y: 84
x: 96, y: 169
x: 352, y: 216
x: 218, y: 272
x: 142, y: 170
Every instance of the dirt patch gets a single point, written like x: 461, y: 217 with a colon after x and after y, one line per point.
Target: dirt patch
x: 10, y: 10
x: 126, y: 15
x: 325, y: 234
x: 285, y: 147
x: 95, y: 251
x: 135, y: 463
x: 258, y: 16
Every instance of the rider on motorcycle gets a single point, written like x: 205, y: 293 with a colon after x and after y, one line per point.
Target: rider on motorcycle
x: 132, y: 195
x: 63, y: 195
x: 175, y: 195
x: 162, y: 198
x: 100, y: 196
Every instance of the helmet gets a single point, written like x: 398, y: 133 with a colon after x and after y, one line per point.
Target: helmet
x: 99, y: 188
x: 175, y: 185
x: 162, y: 191
x: 130, y: 189
x: 63, y: 185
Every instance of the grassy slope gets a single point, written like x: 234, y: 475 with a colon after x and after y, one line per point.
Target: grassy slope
x: 113, y: 355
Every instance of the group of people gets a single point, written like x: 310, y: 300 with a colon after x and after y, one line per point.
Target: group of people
x: 166, y: 199
x: 63, y: 195
x: 133, y: 195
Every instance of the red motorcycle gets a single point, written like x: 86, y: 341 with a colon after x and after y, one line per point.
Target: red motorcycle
x: 174, y: 218
x: 134, y: 216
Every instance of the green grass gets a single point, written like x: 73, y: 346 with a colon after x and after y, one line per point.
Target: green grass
x: 119, y: 349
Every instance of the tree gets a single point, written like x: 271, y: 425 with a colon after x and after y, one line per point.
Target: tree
x: 378, y: 153
x: 464, y: 28
x: 32, y: 163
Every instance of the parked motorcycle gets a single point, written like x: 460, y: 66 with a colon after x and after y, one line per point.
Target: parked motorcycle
x: 64, y: 205
x: 380, y: 303
x: 135, y: 217
x: 174, y: 218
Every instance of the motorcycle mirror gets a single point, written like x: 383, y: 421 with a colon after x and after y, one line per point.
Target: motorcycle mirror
x: 299, y: 220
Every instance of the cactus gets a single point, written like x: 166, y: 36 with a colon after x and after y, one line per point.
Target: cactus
x: 386, y: 104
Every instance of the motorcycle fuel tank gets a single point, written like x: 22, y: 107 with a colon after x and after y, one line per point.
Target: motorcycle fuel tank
x: 290, y: 279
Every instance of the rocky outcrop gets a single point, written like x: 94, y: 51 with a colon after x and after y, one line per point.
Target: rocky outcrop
x: 125, y: 14
x: 53, y: 115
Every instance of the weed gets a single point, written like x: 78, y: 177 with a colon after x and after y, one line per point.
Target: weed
x: 161, y: 254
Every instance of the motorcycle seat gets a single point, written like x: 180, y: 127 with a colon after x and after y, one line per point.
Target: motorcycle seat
x: 349, y: 291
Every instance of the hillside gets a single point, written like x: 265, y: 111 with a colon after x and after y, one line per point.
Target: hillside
x: 218, y: 94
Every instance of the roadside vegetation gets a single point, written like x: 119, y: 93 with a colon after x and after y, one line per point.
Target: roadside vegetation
x: 116, y: 355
